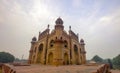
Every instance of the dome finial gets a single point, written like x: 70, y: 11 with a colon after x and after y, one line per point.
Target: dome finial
x: 82, y: 42
x: 34, y: 39
x: 59, y: 21
x: 48, y: 26
x: 69, y: 27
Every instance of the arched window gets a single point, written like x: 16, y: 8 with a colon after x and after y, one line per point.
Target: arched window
x: 40, y: 47
x: 75, y: 48
x: 52, y: 43
x: 65, y: 44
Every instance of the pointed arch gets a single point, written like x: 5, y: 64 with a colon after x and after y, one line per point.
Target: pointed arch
x: 66, y: 59
x: 76, y: 54
x: 40, y: 50
x: 65, y: 44
x: 50, y: 58
x: 51, y: 43
x: 75, y: 49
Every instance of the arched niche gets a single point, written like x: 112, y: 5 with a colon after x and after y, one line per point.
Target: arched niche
x: 40, y: 50
x: 76, y: 55
x: 65, y: 44
x: 50, y: 58
x: 66, y: 59
x: 51, y: 44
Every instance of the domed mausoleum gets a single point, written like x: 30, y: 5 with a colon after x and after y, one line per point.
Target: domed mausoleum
x: 57, y: 47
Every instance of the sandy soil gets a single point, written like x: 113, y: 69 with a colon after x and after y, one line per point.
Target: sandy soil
x: 115, y: 71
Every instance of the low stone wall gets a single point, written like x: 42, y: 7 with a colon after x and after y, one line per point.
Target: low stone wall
x: 6, y: 68
x: 104, y: 68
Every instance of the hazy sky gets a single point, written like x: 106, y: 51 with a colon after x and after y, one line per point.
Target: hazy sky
x: 96, y: 21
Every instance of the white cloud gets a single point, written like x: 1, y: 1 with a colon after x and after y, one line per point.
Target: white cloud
x: 105, y: 19
x: 17, y: 26
x: 105, y: 33
x: 76, y: 3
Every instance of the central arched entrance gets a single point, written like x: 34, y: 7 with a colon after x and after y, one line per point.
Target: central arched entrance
x: 66, y: 59
x: 50, y: 58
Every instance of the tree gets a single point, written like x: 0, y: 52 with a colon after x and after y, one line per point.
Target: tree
x: 110, y: 63
x: 6, y: 57
x: 98, y: 59
x: 116, y: 62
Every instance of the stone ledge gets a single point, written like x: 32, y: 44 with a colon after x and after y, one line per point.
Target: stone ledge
x: 34, y: 68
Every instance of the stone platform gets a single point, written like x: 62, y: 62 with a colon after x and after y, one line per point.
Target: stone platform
x: 7, y: 68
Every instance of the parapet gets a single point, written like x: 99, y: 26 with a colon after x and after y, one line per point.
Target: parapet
x: 43, y: 34
x: 73, y: 35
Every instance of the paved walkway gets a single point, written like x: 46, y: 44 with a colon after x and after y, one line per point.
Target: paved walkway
x: 54, y: 69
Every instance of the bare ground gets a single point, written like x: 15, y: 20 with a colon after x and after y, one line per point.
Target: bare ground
x: 115, y: 71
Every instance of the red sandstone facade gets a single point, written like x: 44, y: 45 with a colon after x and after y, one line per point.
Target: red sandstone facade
x: 57, y: 47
